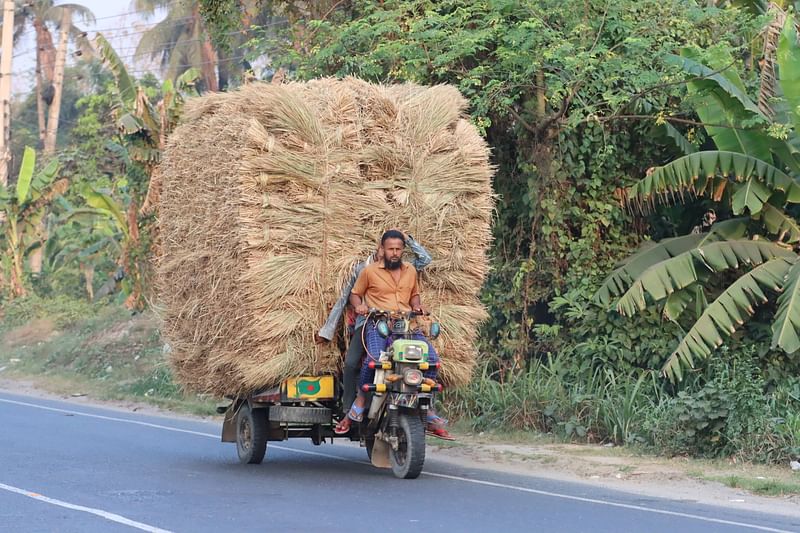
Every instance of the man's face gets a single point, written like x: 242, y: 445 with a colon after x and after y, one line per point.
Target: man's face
x: 393, y: 253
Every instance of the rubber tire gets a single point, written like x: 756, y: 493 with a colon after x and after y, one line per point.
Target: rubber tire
x: 251, y: 434
x: 410, y: 429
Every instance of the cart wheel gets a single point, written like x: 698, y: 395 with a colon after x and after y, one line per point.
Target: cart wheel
x: 251, y: 434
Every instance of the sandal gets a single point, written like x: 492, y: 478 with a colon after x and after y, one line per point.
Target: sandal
x: 356, y: 414
x: 435, y: 428
x: 439, y: 433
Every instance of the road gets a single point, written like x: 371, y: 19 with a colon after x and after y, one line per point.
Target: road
x: 68, y: 467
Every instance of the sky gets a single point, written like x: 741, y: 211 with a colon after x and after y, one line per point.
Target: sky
x: 117, y: 20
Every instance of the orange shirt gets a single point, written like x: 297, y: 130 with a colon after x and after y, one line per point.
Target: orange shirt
x: 379, y: 289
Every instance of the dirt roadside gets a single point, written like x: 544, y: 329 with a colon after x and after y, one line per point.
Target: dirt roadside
x: 607, y: 467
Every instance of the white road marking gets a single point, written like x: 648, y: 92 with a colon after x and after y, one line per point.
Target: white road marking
x: 430, y: 474
x: 98, y: 512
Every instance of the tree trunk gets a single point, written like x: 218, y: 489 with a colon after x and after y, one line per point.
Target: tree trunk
x: 45, y: 59
x: 45, y: 47
x: 88, y: 273
x: 209, y: 58
x: 17, y: 275
x: 58, y: 84
x: 226, y: 68
x: 40, y: 104
x: 15, y: 251
x: 36, y: 258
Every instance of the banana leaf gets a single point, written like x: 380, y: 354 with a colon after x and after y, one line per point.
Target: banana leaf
x: 680, y: 141
x: 788, y: 57
x: 786, y: 325
x: 752, y: 194
x: 127, y: 89
x: 727, y: 80
x: 777, y: 222
x: 666, y: 277
x: 720, y: 98
x: 25, y: 175
x: 726, y: 313
x: 105, y: 203
x: 680, y: 300
x: 653, y: 253
x: 694, y: 173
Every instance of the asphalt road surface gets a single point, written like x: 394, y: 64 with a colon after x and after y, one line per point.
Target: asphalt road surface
x: 73, y: 468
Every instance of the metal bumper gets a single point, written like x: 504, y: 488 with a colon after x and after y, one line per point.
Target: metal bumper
x: 300, y: 415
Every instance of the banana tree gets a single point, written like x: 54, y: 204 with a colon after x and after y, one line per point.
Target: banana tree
x: 143, y: 128
x: 143, y: 125
x: 110, y: 230
x: 23, y: 210
x: 757, y: 175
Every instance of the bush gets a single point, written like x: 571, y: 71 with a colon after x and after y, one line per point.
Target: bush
x: 727, y: 415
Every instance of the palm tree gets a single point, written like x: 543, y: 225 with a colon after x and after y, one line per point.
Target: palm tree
x: 180, y: 41
x: 41, y: 15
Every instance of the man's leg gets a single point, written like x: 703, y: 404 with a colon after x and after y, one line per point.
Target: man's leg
x: 374, y: 344
x: 436, y: 424
x: 352, y: 368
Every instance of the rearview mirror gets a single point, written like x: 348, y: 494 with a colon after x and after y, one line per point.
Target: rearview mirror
x: 383, y: 328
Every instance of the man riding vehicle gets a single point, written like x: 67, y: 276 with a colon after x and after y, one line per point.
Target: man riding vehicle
x: 391, y: 285
x: 355, y: 350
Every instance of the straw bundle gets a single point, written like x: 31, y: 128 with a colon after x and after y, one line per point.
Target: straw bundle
x: 273, y: 192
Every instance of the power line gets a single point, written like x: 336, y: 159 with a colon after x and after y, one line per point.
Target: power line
x: 143, y: 70
x: 158, y: 45
x: 119, y: 15
x: 175, y: 22
x: 130, y: 12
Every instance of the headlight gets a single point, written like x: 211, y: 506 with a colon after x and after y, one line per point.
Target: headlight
x: 412, y: 376
x: 413, y: 352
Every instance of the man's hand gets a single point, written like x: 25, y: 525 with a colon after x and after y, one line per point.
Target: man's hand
x: 421, y: 309
x: 320, y: 340
x: 362, y: 309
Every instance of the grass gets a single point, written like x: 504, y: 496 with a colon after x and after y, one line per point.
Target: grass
x: 110, y: 355
x: 764, y: 487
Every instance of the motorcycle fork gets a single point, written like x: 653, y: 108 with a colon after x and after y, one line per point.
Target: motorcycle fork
x: 393, y: 424
x: 393, y: 415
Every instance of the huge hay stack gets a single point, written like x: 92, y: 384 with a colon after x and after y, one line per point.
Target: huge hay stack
x: 272, y: 193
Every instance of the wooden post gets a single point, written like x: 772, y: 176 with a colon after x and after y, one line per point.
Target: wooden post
x: 5, y: 87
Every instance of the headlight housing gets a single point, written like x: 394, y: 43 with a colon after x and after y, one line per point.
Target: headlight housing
x: 412, y: 376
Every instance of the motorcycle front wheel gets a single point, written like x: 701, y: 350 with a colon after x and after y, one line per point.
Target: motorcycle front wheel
x: 409, y: 457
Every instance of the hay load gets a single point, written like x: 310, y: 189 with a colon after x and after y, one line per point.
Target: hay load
x: 273, y: 192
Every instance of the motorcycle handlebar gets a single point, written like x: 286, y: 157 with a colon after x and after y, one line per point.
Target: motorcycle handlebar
x: 374, y: 311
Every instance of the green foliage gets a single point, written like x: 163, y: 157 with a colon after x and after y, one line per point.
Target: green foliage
x: 551, y: 397
x: 546, y: 82
x: 761, y: 174
x: 61, y: 309
x: 725, y: 416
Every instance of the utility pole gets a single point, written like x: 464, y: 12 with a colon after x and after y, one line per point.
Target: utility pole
x: 7, y: 44
x: 58, y: 82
